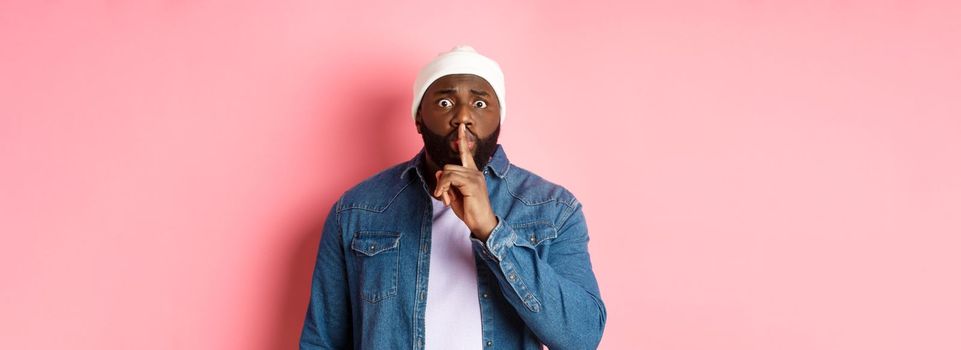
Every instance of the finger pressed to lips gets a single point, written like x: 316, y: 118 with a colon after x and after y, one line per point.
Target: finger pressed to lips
x: 463, y: 134
x: 450, y: 176
x: 466, y: 143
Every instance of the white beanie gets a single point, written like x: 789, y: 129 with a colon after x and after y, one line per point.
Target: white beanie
x: 459, y: 60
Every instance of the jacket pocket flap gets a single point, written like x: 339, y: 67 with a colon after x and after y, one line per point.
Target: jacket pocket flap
x: 533, y: 233
x: 371, y: 243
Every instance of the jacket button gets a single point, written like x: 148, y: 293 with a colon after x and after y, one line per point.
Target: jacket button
x: 490, y: 343
x: 512, y: 277
x: 485, y: 295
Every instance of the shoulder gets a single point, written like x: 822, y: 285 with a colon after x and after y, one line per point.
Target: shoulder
x: 376, y: 192
x: 533, y: 189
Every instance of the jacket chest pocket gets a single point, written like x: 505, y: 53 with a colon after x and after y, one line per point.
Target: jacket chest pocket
x: 377, y: 257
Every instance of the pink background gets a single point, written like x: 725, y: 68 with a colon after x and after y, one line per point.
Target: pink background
x: 755, y: 174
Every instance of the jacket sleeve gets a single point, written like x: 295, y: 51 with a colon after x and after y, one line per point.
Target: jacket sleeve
x: 328, y: 321
x: 557, y: 296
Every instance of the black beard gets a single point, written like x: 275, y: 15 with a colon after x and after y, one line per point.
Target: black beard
x: 438, y: 147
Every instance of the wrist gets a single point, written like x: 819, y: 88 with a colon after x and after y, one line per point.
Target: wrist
x: 485, y: 230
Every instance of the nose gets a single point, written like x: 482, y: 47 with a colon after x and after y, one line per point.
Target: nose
x: 462, y: 115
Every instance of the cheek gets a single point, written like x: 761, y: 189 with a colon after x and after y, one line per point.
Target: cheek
x: 437, y: 125
x: 433, y: 115
x: 427, y: 121
x: 492, y: 117
x: 433, y: 126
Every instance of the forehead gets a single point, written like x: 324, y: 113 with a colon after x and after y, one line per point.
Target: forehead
x: 461, y: 82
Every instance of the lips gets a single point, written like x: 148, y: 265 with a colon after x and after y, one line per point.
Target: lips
x: 455, y: 145
x: 471, y: 141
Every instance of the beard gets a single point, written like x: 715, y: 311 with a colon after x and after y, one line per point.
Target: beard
x: 438, y: 147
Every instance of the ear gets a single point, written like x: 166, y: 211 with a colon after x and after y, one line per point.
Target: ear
x: 418, y: 121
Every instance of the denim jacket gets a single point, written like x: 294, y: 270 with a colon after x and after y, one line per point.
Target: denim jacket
x: 535, y: 284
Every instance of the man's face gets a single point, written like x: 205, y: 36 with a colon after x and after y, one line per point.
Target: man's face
x: 453, y: 100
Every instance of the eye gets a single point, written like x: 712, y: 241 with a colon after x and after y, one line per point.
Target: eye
x: 480, y: 104
x: 446, y: 103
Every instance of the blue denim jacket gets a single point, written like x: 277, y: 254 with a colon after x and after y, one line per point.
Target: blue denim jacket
x: 535, y: 284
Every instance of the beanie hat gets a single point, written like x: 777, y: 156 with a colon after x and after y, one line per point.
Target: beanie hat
x: 460, y: 60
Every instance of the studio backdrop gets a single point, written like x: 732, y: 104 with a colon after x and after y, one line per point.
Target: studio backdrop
x: 754, y: 174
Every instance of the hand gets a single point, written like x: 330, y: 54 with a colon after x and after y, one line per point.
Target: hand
x: 464, y: 189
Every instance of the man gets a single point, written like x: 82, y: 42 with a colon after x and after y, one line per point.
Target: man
x: 456, y: 248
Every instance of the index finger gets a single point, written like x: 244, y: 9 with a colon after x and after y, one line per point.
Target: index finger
x: 466, y: 159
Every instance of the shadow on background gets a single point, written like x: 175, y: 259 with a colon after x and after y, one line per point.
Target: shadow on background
x: 371, y: 122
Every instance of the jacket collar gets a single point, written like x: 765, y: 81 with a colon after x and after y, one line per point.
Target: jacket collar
x: 498, y: 163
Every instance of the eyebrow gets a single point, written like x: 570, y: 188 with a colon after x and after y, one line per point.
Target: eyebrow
x: 478, y: 92
x: 453, y: 90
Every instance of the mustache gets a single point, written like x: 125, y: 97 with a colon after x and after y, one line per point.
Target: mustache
x: 438, y: 146
x: 452, y: 136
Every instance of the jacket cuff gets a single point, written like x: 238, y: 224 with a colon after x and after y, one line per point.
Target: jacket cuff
x: 501, y: 237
